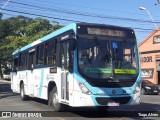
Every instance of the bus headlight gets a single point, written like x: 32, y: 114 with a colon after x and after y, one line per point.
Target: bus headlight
x: 137, y: 89
x: 83, y: 88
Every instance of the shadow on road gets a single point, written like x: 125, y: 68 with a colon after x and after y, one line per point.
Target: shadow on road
x: 39, y: 100
x: 144, y: 109
x: 5, y: 91
x: 136, y: 111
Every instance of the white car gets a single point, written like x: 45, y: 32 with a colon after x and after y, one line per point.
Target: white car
x: 6, y: 76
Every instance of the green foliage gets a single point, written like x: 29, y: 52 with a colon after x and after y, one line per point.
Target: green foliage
x: 16, y: 32
x: 4, y: 29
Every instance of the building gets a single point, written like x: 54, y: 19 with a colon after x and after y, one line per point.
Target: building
x: 150, y: 57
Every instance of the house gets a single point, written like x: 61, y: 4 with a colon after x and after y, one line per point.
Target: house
x: 150, y: 57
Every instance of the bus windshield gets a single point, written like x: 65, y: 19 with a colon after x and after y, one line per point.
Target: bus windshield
x: 103, y: 57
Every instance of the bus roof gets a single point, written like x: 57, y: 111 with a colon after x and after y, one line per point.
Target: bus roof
x: 47, y: 37
x: 60, y: 31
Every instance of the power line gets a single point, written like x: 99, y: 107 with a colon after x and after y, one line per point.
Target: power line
x: 84, y: 14
x: 39, y: 12
x: 75, y: 14
x: 61, y: 15
x: 27, y: 13
x: 3, y: 6
x: 52, y: 10
x: 28, y: 7
x: 92, y: 8
x: 41, y: 15
x: 66, y: 19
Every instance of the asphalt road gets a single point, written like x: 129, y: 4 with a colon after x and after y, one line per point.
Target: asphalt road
x: 11, y: 102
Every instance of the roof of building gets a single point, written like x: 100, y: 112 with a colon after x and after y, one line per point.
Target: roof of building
x: 148, y: 37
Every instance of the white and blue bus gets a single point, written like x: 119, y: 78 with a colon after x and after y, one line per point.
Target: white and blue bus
x: 80, y: 65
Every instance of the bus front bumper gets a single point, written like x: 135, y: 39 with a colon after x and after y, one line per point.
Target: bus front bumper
x: 84, y: 100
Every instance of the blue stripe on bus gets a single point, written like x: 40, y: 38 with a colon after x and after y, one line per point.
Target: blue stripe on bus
x: 41, y: 82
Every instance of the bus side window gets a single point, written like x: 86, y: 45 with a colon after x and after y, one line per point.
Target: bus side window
x: 50, y: 53
x: 39, y: 55
x: 15, y: 65
x: 23, y: 61
x: 31, y: 61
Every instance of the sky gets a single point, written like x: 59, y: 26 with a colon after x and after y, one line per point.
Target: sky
x: 125, y: 13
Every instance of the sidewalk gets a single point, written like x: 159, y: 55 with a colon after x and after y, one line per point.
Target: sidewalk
x: 5, y: 81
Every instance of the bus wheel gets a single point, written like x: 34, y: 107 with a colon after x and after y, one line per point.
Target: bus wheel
x: 22, y: 93
x: 53, y: 100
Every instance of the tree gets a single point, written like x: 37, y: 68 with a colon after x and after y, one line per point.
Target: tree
x: 4, y: 29
x: 16, y: 32
x: 16, y: 23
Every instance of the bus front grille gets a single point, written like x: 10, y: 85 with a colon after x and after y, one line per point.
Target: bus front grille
x: 120, y: 100
x: 111, y: 85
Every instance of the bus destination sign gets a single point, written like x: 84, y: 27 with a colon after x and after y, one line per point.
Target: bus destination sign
x: 108, y: 32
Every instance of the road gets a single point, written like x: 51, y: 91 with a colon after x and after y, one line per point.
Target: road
x: 9, y: 101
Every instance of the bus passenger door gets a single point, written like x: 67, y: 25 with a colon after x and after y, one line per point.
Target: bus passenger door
x: 30, y: 73
x: 66, y: 75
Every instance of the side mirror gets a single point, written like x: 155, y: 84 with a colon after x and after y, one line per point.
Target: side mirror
x: 72, y: 44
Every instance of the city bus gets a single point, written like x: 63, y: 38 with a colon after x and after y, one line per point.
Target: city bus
x: 80, y: 65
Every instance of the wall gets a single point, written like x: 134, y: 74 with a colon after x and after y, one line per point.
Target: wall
x: 150, y: 57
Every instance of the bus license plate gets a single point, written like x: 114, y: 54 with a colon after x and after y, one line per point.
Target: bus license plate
x: 113, y: 104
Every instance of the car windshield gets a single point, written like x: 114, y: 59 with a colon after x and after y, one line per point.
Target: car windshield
x: 107, y: 57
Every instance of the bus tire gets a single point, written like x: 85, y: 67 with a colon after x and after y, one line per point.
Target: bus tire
x: 53, y: 100
x: 22, y: 93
